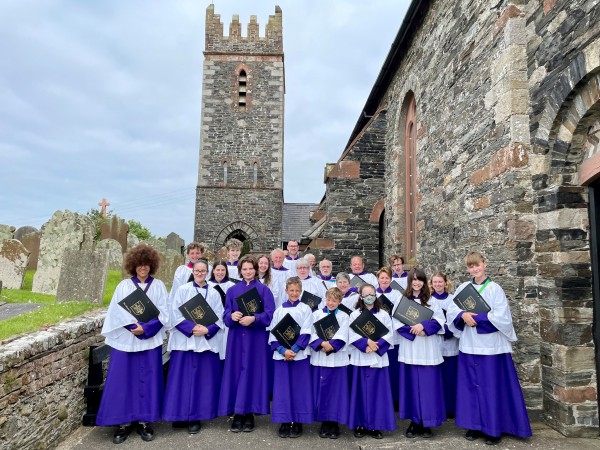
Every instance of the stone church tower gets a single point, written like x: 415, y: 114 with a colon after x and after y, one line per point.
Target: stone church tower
x: 240, y: 177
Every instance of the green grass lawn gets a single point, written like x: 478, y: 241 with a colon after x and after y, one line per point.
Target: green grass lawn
x: 51, y: 312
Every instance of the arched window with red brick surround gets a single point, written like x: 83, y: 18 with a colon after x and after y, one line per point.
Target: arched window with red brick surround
x: 410, y: 165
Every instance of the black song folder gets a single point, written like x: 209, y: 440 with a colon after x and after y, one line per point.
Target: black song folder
x: 311, y: 300
x: 139, y: 305
x: 250, y: 303
x: 470, y: 300
x: 411, y: 313
x: 327, y: 327
x: 198, y: 311
x: 344, y: 308
x: 369, y: 326
x: 357, y: 281
x: 287, y: 331
x: 221, y: 292
x: 386, y: 304
x: 396, y: 286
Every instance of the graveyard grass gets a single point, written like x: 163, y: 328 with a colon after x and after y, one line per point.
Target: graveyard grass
x: 51, y: 312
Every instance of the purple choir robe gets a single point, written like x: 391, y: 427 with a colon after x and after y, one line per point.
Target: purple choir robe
x: 243, y: 388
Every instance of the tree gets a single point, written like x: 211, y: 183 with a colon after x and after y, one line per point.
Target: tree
x: 139, y: 230
x: 96, y: 216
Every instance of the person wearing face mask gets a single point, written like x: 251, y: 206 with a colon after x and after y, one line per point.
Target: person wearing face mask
x: 420, y: 358
x: 371, y: 406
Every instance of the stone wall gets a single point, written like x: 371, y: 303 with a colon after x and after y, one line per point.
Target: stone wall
x: 508, y: 116
x: 240, y: 180
x: 42, y: 376
x: 254, y: 212
x: 354, y: 186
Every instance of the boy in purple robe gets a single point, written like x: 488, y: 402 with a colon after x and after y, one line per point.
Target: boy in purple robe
x: 292, y: 389
x: 234, y: 249
x: 489, y: 400
x: 243, y: 389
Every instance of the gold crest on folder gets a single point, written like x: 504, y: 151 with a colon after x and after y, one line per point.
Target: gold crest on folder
x: 252, y: 306
x: 369, y: 328
x: 412, y: 313
x: 289, y: 333
x: 197, y: 313
x: 329, y: 332
x: 469, y: 303
x: 138, y: 308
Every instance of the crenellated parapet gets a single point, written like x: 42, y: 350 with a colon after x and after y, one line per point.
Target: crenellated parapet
x: 217, y: 42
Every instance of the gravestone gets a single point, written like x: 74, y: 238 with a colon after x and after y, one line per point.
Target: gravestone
x: 82, y: 276
x: 115, y: 253
x: 170, y: 260
x: 156, y: 244
x: 6, y: 231
x: 13, y: 263
x: 22, y: 231
x: 115, y: 228
x: 65, y: 229
x: 132, y: 241
x: 31, y: 242
x: 175, y: 242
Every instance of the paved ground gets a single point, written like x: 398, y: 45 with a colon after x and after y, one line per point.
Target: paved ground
x: 214, y: 435
x: 8, y: 310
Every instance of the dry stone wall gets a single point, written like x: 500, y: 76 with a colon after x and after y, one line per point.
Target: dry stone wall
x: 42, y: 376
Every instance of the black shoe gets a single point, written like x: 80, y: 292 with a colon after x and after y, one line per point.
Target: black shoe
x: 194, y: 427
x: 324, y: 430
x: 492, y: 440
x: 146, y: 432
x: 426, y: 432
x: 359, y: 432
x: 284, y: 430
x: 121, y: 434
x: 334, y: 431
x: 412, y: 431
x: 180, y: 424
x: 237, y: 424
x: 296, y: 430
x: 471, y: 435
x: 248, y: 423
x: 376, y: 434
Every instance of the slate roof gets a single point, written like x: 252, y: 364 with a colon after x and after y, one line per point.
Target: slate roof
x: 296, y: 220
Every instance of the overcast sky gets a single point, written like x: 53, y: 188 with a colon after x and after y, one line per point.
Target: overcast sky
x: 102, y: 99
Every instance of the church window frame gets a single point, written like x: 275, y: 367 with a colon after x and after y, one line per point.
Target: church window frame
x: 410, y: 165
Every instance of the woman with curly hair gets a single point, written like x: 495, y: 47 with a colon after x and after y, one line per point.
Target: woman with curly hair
x: 134, y: 389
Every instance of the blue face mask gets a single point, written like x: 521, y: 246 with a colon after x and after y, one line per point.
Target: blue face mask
x: 369, y: 299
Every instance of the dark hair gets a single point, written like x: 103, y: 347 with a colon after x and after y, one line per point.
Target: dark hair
x: 360, y: 304
x: 141, y: 255
x: 393, y: 258
x: 268, y: 272
x: 419, y: 274
x: 248, y: 259
x: 219, y: 262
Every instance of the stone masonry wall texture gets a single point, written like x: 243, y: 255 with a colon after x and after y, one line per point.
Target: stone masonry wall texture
x: 489, y: 79
x: 507, y: 110
x: 247, y: 140
x: 42, y: 376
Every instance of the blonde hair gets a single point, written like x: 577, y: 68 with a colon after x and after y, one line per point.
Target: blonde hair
x: 334, y: 293
x: 234, y: 243
x: 443, y: 276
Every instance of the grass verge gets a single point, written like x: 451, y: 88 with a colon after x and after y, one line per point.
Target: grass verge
x: 51, y: 312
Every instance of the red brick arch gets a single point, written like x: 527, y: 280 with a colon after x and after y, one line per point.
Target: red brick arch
x: 377, y: 210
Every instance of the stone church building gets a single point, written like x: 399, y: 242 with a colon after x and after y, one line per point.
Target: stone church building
x: 481, y: 132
